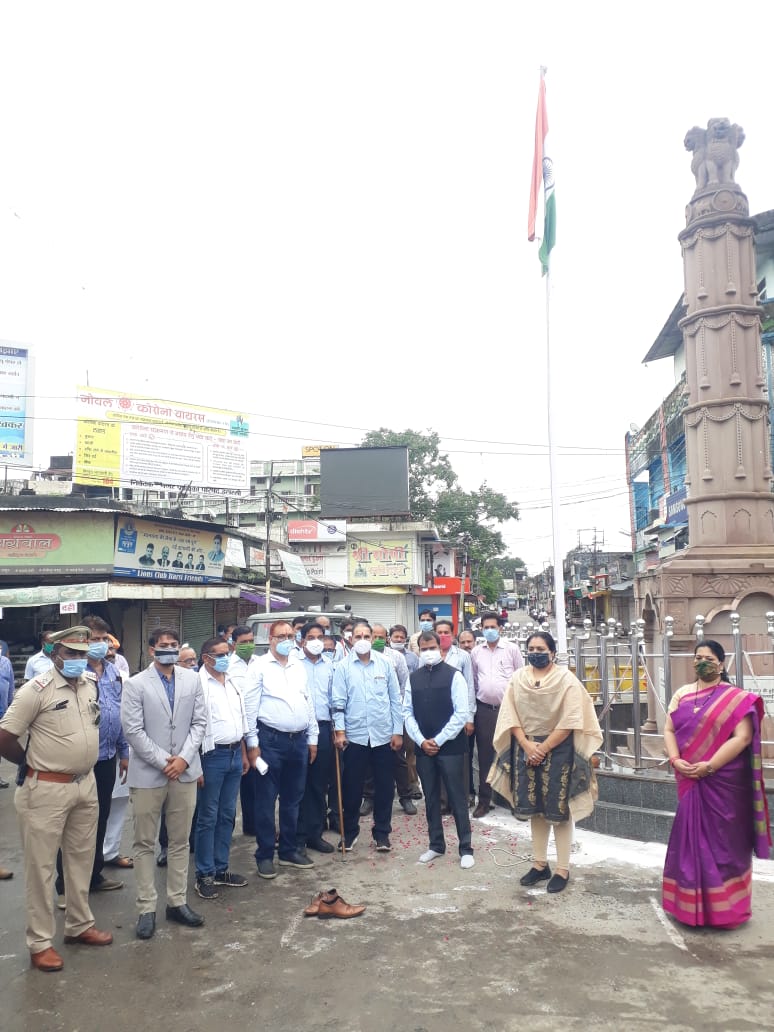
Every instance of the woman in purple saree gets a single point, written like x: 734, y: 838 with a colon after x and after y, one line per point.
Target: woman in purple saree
x: 713, y: 740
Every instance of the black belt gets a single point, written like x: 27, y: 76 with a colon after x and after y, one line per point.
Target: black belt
x: 487, y: 705
x: 230, y: 745
x: 276, y: 731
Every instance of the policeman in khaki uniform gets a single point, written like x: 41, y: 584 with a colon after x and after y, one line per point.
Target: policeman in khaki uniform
x: 57, y: 801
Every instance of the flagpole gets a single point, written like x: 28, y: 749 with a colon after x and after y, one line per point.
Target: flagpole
x: 559, y: 607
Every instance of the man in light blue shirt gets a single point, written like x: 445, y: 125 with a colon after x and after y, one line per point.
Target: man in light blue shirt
x: 368, y: 720
x: 319, y: 682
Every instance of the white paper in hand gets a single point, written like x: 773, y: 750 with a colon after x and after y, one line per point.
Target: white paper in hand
x: 261, y: 765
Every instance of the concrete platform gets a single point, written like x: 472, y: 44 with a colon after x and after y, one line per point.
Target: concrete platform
x: 438, y: 948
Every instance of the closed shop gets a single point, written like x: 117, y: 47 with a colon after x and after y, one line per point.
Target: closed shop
x: 198, y: 623
x: 160, y: 614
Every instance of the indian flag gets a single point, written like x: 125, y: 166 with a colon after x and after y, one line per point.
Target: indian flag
x: 542, y: 176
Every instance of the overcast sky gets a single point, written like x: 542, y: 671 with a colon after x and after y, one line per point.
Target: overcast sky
x: 315, y: 213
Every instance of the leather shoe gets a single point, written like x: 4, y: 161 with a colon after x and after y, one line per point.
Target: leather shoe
x: 91, y: 937
x: 535, y: 875
x: 5, y: 874
x: 185, y: 916
x: 337, y: 907
x: 146, y: 926
x: 558, y: 883
x: 408, y: 807
x: 482, y: 810
x: 46, y: 960
x: 314, y: 906
x: 319, y: 845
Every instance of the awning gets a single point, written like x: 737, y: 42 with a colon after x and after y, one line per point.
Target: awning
x: 626, y: 585
x: 162, y: 592
x: 253, y: 593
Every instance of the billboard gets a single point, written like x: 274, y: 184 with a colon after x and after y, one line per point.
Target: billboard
x: 166, y: 552
x: 39, y: 542
x: 128, y: 441
x: 390, y: 560
x: 16, y: 391
x: 334, y: 531
x: 364, y: 482
x: 46, y: 595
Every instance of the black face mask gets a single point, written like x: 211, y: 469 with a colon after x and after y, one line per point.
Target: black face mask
x: 539, y: 660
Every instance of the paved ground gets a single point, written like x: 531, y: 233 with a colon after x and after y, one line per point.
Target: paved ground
x: 438, y: 949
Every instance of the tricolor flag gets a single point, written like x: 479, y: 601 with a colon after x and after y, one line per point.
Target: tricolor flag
x: 542, y: 175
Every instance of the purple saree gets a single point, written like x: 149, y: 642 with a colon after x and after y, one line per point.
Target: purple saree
x: 722, y: 819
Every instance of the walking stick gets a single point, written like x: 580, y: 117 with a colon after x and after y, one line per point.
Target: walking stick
x: 337, y: 752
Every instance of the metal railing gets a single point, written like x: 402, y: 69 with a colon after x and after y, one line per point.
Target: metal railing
x: 616, y: 668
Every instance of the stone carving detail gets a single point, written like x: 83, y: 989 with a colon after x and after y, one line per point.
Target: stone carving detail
x: 677, y: 585
x: 715, y: 151
x: 731, y: 585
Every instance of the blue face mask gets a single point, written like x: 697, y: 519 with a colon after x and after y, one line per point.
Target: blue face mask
x: 221, y: 665
x: 73, y: 667
x: 97, y: 650
x: 284, y: 648
x: 298, y: 637
x: 539, y: 660
x: 491, y: 633
x: 425, y: 625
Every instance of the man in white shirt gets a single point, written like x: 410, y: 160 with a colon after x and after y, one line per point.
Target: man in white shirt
x: 224, y: 761
x: 242, y: 646
x: 282, y: 728
x: 41, y: 661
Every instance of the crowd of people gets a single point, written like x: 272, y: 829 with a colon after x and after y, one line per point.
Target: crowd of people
x: 317, y: 734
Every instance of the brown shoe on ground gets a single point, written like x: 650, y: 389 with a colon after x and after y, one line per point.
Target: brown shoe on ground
x: 482, y: 810
x: 5, y: 874
x: 338, y: 908
x: 314, y: 907
x: 46, y: 960
x: 91, y: 937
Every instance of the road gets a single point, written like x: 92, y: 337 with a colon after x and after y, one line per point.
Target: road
x: 437, y: 949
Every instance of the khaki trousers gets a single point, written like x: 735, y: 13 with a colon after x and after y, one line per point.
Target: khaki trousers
x: 54, y: 816
x: 146, y: 804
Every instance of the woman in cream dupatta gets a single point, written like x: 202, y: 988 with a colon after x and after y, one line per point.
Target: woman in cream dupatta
x: 547, y: 732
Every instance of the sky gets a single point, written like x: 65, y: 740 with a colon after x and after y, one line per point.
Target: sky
x: 316, y: 214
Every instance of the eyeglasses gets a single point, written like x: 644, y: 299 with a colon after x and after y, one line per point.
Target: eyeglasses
x: 214, y: 655
x: 283, y: 637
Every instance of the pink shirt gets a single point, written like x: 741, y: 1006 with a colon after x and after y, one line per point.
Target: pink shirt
x: 493, y: 669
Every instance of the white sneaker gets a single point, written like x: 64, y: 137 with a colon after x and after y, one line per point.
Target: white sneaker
x: 428, y: 856
x: 467, y: 861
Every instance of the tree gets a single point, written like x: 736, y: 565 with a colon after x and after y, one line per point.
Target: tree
x: 430, y: 472
x: 475, y: 514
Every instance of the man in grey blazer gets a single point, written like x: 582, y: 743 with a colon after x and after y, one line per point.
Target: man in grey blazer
x: 164, y: 719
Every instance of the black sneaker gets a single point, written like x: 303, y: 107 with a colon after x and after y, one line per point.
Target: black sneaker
x: 383, y: 844
x: 349, y: 844
x: 297, y: 859
x: 266, y: 869
x: 234, y: 881
x: 205, y: 888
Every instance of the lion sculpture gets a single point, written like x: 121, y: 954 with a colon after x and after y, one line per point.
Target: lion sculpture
x: 715, y: 151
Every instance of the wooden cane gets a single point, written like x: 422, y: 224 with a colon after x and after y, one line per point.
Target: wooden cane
x: 337, y: 751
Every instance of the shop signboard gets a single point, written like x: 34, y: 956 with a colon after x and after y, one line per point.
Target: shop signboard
x: 128, y: 441
x: 53, y: 594
x: 386, y: 560
x: 16, y: 394
x: 166, y: 552
x: 41, y: 542
x: 322, y: 531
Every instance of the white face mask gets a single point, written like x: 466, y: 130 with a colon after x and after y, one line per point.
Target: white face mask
x: 430, y: 657
x: 314, y: 646
x: 362, y: 646
x: 399, y: 645
x: 347, y: 635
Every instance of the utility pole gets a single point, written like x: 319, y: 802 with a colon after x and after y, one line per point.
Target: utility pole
x: 268, y: 515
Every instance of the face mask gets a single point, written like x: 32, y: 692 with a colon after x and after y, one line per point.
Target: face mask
x: 73, y: 667
x: 298, y: 637
x: 539, y: 660
x: 284, y: 648
x: 446, y: 640
x: 491, y: 633
x: 245, y: 650
x: 347, y: 635
x: 229, y: 641
x: 362, y: 646
x: 430, y: 657
x: 399, y: 645
x: 166, y: 657
x: 98, y: 650
x: 329, y: 652
x: 314, y: 647
x: 47, y: 649
x: 425, y: 625
x: 705, y: 668
x: 378, y: 644
x: 221, y: 665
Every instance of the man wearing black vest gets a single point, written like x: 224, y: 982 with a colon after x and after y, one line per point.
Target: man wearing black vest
x: 435, y: 710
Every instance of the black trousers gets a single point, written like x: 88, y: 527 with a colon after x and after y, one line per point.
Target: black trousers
x: 105, y: 776
x: 248, y: 787
x: 401, y: 774
x: 356, y: 760
x: 311, y: 814
x: 448, y: 770
x: 485, y: 722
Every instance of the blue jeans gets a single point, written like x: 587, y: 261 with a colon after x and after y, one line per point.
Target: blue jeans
x: 222, y: 769
x: 288, y: 757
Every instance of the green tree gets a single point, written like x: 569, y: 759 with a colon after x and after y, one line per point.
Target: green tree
x: 430, y: 472
x: 475, y: 515
x: 490, y: 582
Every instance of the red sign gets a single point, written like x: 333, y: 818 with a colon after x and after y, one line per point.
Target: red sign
x: 446, y: 586
x: 22, y: 541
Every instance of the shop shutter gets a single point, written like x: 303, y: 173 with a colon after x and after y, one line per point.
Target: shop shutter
x: 226, y: 610
x: 198, y: 623
x: 374, y: 608
x: 160, y: 614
